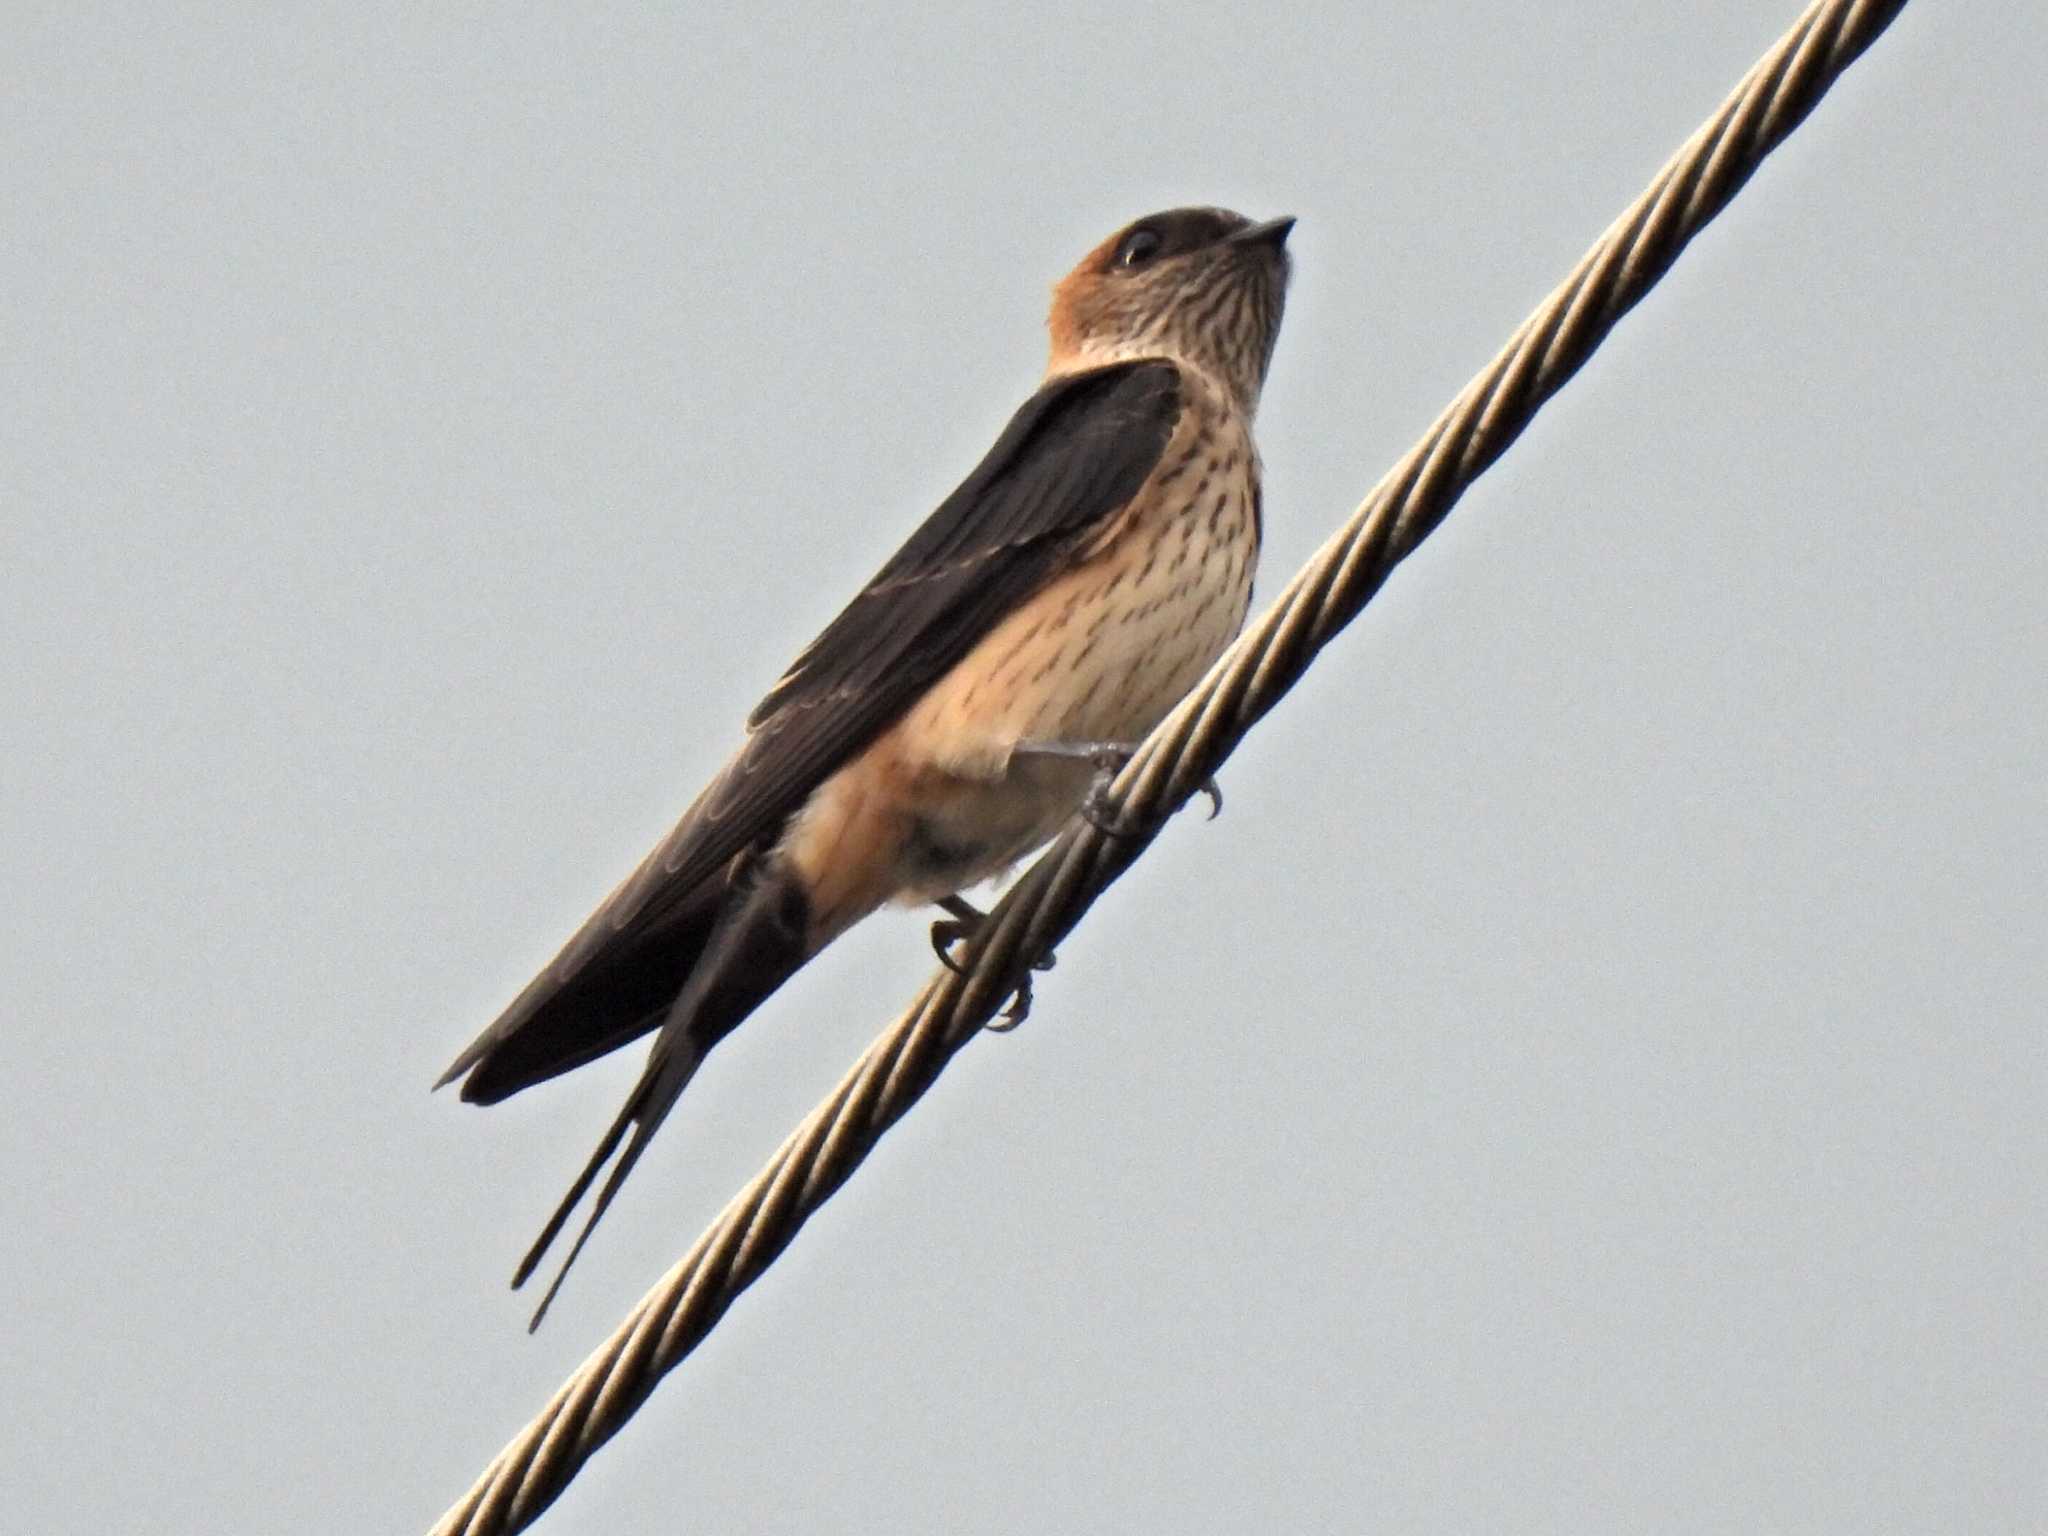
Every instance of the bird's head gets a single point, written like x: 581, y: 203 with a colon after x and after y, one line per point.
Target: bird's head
x: 1203, y: 285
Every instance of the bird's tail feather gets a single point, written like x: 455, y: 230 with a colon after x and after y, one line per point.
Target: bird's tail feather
x: 666, y: 1077
x: 760, y: 941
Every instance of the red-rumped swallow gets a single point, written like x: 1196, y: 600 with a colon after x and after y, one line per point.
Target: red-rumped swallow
x: 953, y: 717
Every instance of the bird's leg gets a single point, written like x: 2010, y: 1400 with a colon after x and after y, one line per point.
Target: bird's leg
x: 1107, y: 758
x: 965, y: 922
x: 966, y: 919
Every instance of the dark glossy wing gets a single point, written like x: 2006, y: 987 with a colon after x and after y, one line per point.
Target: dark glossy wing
x: 1071, y: 458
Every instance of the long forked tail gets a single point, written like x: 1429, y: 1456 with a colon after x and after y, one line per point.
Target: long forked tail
x: 669, y: 1070
x: 760, y: 941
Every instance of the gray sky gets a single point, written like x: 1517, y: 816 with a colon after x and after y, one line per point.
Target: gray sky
x: 1590, y: 1079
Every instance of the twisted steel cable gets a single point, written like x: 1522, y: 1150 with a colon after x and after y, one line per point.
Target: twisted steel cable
x: 1180, y: 756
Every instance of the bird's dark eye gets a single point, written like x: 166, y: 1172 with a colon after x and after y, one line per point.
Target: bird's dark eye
x: 1138, y: 247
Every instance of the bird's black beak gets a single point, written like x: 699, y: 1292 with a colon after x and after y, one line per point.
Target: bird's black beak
x: 1273, y: 232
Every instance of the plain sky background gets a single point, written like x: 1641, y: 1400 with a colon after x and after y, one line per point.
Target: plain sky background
x: 1592, y: 1077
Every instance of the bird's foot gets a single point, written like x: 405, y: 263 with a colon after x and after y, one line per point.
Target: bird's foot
x: 1107, y: 758
x: 965, y: 921
x: 963, y: 924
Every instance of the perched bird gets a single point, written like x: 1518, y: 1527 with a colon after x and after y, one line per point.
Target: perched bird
x: 955, y: 715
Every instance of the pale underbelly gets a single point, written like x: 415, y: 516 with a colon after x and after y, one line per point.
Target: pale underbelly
x: 1093, y: 660
x: 942, y: 801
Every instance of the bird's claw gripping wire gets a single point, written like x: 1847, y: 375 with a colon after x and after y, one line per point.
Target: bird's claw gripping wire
x: 963, y: 924
x: 1107, y: 758
x: 1100, y: 813
x: 963, y: 920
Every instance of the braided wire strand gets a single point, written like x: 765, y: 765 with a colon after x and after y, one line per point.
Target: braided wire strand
x: 1173, y: 762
